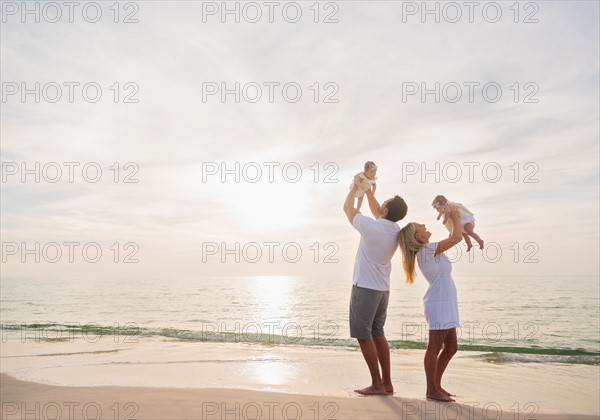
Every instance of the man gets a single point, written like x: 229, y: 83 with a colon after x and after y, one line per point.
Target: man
x: 371, y: 283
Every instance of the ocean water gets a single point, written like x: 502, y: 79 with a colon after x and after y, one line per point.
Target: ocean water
x: 503, y: 319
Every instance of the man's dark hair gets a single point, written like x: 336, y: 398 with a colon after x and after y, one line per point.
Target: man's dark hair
x: 397, y: 209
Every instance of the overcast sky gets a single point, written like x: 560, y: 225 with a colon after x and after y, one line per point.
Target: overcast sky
x: 541, y: 130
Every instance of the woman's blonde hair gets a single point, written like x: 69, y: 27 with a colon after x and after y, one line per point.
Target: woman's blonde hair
x: 409, y: 247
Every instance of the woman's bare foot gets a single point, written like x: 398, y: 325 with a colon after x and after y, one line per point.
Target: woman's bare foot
x: 439, y: 396
x: 389, y: 388
x: 371, y: 390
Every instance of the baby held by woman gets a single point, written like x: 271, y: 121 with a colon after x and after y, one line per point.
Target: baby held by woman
x: 442, y: 205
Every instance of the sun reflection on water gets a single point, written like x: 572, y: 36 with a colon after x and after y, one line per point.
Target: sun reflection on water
x: 272, y: 373
x: 273, y: 298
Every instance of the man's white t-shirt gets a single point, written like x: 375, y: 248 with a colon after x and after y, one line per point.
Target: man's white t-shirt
x: 378, y: 243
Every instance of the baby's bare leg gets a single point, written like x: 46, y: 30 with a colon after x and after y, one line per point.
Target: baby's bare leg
x: 469, y: 229
x: 468, y: 241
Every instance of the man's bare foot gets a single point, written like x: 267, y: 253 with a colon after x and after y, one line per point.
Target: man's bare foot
x: 371, y: 390
x: 469, y: 246
x: 445, y: 392
x: 439, y: 396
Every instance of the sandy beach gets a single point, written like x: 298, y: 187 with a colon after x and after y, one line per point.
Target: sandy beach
x: 173, y: 379
x: 21, y: 399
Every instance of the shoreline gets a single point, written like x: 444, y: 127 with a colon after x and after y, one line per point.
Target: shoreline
x: 153, y: 372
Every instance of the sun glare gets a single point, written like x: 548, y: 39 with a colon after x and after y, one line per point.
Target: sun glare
x: 269, y: 207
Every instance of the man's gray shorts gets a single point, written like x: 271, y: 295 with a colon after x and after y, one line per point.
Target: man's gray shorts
x: 368, y: 310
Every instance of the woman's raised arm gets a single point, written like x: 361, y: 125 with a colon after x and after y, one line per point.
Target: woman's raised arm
x: 455, y: 236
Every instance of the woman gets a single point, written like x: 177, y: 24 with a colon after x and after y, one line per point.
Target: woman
x: 440, y: 301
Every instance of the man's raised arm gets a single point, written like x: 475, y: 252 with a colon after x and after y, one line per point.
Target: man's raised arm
x: 373, y: 203
x: 349, y: 208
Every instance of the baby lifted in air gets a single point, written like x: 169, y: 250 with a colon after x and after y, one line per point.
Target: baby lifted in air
x: 441, y: 204
x: 367, y: 179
